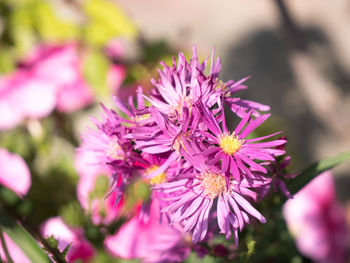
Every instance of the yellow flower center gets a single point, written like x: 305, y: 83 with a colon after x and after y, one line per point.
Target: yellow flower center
x: 230, y: 144
x: 214, y: 184
x: 161, y: 178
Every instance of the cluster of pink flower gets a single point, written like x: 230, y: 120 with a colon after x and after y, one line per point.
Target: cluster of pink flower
x: 50, y: 77
x: 177, y: 140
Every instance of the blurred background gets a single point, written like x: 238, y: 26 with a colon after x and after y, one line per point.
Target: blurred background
x: 81, y: 52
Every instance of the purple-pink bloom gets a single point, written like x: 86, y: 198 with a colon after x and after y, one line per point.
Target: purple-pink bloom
x: 80, y: 249
x: 317, y: 221
x: 185, y: 125
x: 237, y: 154
x: 192, y: 197
x: 14, y: 173
x: 185, y: 84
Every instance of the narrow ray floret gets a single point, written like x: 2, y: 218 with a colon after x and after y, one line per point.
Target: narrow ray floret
x: 192, y: 198
x: 186, y: 83
x: 238, y: 156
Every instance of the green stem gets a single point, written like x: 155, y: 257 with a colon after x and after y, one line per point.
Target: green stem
x: 4, y: 247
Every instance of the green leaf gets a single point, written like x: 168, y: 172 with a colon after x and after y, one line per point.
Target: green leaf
x: 251, y: 249
x: 50, y: 26
x: 136, y: 192
x: 106, y: 21
x: 22, y: 239
x: 314, y: 170
x: 65, y: 251
x: 95, y: 71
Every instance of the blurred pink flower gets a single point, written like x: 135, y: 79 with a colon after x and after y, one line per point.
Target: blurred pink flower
x: 14, y: 172
x: 50, y: 77
x: 103, y: 209
x: 24, y: 96
x: 115, y: 49
x: 17, y: 255
x: 61, y: 65
x: 115, y: 77
x: 151, y: 241
x: 317, y: 221
x: 80, y: 247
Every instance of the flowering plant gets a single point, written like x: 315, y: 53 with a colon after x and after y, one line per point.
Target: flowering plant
x: 179, y: 169
x: 176, y: 142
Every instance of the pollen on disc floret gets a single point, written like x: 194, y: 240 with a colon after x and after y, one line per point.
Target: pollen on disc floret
x: 160, y: 178
x: 114, y: 150
x: 230, y: 144
x: 213, y: 183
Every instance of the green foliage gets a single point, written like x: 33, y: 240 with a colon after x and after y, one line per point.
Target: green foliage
x: 22, y: 238
x: 251, y: 249
x: 136, y: 193
x: 314, y: 170
x: 106, y: 21
x: 72, y: 214
x: 50, y: 26
x: 95, y: 70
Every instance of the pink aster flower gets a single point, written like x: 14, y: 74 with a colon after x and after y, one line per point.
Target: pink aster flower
x: 14, y: 172
x: 17, y: 255
x: 238, y: 155
x: 185, y: 125
x: 107, y: 141
x: 317, y: 221
x: 192, y: 198
x: 185, y: 84
x: 151, y: 241
x: 80, y: 248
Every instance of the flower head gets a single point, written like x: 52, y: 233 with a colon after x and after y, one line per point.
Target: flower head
x: 192, y: 198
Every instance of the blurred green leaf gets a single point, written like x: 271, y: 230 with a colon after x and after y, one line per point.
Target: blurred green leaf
x: 10, y: 199
x: 251, y: 249
x: 66, y: 249
x: 95, y: 71
x: 136, y: 193
x: 22, y: 239
x: 21, y: 29
x: 7, y: 60
x: 72, y: 214
x: 101, y: 187
x: 106, y: 21
x: 314, y: 170
x: 50, y: 27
